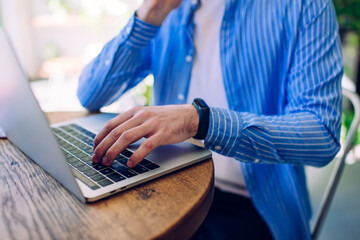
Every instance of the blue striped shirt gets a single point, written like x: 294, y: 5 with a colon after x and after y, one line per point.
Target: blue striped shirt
x: 282, y: 66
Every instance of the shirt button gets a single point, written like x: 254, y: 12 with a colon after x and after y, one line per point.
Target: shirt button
x: 181, y: 96
x: 128, y: 29
x: 217, y: 148
x: 107, y: 62
x: 188, y: 58
x: 256, y: 161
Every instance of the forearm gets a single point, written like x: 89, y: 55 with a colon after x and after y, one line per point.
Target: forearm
x: 298, y: 138
x: 122, y: 63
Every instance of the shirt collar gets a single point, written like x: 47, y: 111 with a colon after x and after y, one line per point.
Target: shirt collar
x: 187, y: 10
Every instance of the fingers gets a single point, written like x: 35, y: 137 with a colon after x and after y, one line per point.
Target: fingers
x: 161, y: 125
x: 113, y: 123
x: 111, y: 138
x: 145, y: 149
x: 129, y: 136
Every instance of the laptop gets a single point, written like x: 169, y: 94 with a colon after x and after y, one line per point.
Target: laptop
x: 64, y: 150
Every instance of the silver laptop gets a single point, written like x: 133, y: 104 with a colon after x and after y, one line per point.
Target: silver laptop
x: 64, y: 150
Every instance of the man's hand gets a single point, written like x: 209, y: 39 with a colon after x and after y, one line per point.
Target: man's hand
x: 161, y: 125
x: 155, y: 11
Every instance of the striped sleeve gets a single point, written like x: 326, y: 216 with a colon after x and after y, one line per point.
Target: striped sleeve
x: 122, y: 64
x: 308, y: 131
x: 293, y: 138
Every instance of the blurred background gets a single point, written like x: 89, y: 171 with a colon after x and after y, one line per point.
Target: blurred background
x: 54, y: 39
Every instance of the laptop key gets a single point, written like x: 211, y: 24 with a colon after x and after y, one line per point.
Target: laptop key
x: 87, y: 149
x: 77, y: 164
x: 126, y: 172
x: 105, y: 182
x: 122, y: 160
x: 56, y: 130
x: 72, y: 160
x: 97, y: 177
x: 145, y: 161
x: 81, y: 155
x: 68, y: 146
x: 88, y: 162
x: 90, y: 172
x: 83, y: 130
x: 98, y: 166
x: 84, y: 168
x: 85, y: 180
x: 89, y: 142
x: 75, y: 151
x: 115, y: 177
x: 106, y: 171
x: 86, y: 158
x: 126, y: 153
x: 116, y: 165
x: 68, y: 155
x: 139, y: 169
x: 151, y: 166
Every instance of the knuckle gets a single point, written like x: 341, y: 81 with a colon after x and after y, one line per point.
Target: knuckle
x: 108, y: 125
x: 155, y: 123
x: 162, y: 138
x: 127, y: 136
x: 166, y: 129
x: 115, y: 133
x: 144, y: 113
x: 148, y: 145
x: 110, y: 154
x: 136, y: 109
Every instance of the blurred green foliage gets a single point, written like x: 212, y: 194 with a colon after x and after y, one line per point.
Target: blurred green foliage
x: 348, y: 12
x: 347, y: 117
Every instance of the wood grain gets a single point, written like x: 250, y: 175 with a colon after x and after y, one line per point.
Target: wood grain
x: 34, y: 206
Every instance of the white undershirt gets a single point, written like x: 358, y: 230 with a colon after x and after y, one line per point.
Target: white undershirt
x: 207, y: 83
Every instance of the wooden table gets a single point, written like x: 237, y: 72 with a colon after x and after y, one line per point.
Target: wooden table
x: 35, y: 206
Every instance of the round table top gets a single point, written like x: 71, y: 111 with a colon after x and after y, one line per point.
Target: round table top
x: 34, y: 204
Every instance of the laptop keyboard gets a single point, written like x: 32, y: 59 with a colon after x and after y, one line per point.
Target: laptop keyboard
x: 77, y: 142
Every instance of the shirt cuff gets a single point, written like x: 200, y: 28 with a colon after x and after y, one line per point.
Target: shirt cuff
x: 225, y: 129
x: 138, y: 33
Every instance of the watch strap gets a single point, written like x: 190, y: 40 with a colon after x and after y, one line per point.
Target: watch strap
x: 204, y: 115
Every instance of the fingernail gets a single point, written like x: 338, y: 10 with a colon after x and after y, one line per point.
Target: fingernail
x: 130, y: 163
x: 105, y: 161
x: 94, y: 158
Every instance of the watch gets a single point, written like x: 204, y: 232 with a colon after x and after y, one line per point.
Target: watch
x: 204, y: 115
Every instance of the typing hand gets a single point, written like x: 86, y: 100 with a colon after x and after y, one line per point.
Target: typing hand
x: 155, y: 11
x: 161, y: 125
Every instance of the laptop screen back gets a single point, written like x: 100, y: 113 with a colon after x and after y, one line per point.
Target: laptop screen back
x: 23, y: 121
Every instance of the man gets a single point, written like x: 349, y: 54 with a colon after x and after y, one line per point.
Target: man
x: 270, y: 72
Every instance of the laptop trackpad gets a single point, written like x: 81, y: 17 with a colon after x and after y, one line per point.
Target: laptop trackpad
x: 167, y: 152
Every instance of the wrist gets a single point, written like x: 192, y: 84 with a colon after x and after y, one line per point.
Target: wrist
x: 153, y: 12
x: 194, y: 120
